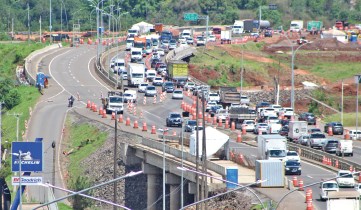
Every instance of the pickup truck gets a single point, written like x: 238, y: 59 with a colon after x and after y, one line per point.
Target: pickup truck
x: 316, y: 140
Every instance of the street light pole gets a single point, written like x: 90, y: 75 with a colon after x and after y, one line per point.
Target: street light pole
x: 50, y: 22
x: 19, y: 155
x: 163, y: 131
x: 357, y: 80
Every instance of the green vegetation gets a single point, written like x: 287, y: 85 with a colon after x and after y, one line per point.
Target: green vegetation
x: 336, y: 71
x: 171, y: 12
x: 83, y: 140
x: 349, y: 119
x: 63, y: 206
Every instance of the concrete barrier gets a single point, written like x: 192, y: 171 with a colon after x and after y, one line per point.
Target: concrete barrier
x: 31, y: 73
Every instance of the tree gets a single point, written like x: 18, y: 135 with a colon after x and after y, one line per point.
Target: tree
x: 12, y: 99
x: 80, y: 183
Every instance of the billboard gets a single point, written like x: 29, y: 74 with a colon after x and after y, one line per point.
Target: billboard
x: 31, y: 156
x: 26, y: 180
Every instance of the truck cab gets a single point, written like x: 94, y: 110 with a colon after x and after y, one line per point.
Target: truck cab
x: 114, y: 102
x: 136, y: 54
x: 129, y: 43
x: 272, y: 147
x: 327, y: 187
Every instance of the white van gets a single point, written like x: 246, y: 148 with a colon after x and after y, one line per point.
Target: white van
x: 355, y: 135
x: 129, y: 43
x: 119, y: 65
x: 186, y: 34
x: 136, y: 54
x: 151, y: 74
x: 130, y: 96
x: 344, y: 147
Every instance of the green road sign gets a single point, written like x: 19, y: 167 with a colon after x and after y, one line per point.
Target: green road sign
x: 190, y: 16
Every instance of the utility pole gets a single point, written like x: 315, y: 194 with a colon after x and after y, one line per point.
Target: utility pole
x: 17, y: 115
x: 197, y: 154
x: 204, y: 155
x: 61, y: 16
x: 28, y: 23
x: 115, y: 160
x: 40, y: 29
x: 50, y: 22
x: 54, y: 158
x: 1, y: 103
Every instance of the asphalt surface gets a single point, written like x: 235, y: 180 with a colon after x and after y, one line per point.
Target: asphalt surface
x: 72, y: 72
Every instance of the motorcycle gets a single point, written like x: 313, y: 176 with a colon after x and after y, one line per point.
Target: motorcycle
x: 71, y: 101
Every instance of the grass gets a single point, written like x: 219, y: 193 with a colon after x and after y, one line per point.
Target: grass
x: 349, y: 119
x: 336, y: 71
x: 63, y: 206
x: 78, y: 136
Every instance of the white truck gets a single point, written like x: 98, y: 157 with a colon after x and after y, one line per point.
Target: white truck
x: 271, y: 147
x: 119, y: 65
x: 129, y: 43
x: 344, y: 147
x: 296, y: 25
x: 238, y: 27
x: 114, y: 102
x: 296, y: 129
x: 226, y: 37
x: 274, y: 127
x: 136, y: 54
x: 151, y: 74
x: 349, y: 200
x: 134, y: 31
x: 136, y: 74
x: 186, y: 34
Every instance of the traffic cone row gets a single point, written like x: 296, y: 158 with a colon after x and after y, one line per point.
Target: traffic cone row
x: 309, y: 205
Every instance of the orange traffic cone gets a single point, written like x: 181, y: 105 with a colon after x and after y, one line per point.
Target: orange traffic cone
x: 214, y: 120
x: 244, y: 131
x: 294, y: 181
x: 153, y: 130
x: 220, y: 123
x: 239, y: 138
x: 100, y: 110
x: 174, y: 133
x: 135, y: 124
x: 209, y: 120
x: 330, y: 131
x: 226, y: 126
x: 145, y: 128
x: 95, y: 108
x: 88, y: 105
x: 233, y: 126
x: 113, y: 115
x: 300, y: 187
x: 127, y: 121
x: 104, y: 114
x: 120, y: 120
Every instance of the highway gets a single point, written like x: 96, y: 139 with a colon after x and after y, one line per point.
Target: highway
x: 72, y: 73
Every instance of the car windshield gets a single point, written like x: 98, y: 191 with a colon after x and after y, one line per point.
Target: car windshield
x: 160, y: 79
x: 262, y: 125
x: 151, y: 74
x: 151, y: 88
x: 130, y: 41
x: 249, y: 122
x: 329, y: 185
x: 136, y: 53
x: 315, y: 130
x: 143, y: 85
x: 337, y: 124
x: 292, y: 154
x: 277, y: 153
x: 128, y: 95
x: 172, y: 41
x: 175, y: 116
x: 178, y: 92
x: 134, y: 75
x: 119, y: 64
x: 213, y: 94
x: 168, y: 84
x: 345, y: 175
x: 191, y: 122
x: 292, y: 163
x: 115, y: 100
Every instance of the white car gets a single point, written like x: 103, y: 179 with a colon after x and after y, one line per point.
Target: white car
x: 155, y: 55
x: 328, y: 187
x: 287, y: 112
x: 210, y: 104
x: 200, y: 41
x: 189, y: 86
x: 260, y: 127
x: 222, y: 114
x: 190, y: 40
x: 345, y: 178
x: 160, y: 51
x: 182, y: 39
x: 292, y: 155
x: 249, y: 125
x: 274, y: 128
x: 183, y: 44
x: 158, y: 81
x: 177, y: 94
x: 150, y: 91
x: 142, y: 87
x: 130, y: 95
x: 276, y: 107
x: 268, y: 112
x: 214, y: 97
x: 211, y: 38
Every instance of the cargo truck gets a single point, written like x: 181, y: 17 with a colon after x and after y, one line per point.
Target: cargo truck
x: 349, y: 200
x: 248, y: 26
x: 239, y: 114
x: 114, y: 102
x: 226, y: 37
x: 229, y: 95
x: 296, y: 129
x: 314, y: 27
x: 296, y: 25
x: 177, y: 69
x: 158, y: 27
x: 271, y: 147
x: 136, y: 74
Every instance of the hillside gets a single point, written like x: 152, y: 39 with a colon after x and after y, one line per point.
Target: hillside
x: 65, y: 12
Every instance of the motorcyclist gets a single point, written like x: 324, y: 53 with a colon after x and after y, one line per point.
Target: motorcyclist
x: 71, y: 101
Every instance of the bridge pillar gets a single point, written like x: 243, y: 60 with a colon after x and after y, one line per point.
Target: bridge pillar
x: 153, y: 174
x: 192, y: 189
x: 174, y: 181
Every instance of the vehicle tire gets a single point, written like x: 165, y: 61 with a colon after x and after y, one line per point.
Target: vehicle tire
x: 351, y: 154
x: 299, y: 173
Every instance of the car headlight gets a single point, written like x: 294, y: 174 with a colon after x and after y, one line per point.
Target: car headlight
x: 299, y: 168
x: 287, y: 168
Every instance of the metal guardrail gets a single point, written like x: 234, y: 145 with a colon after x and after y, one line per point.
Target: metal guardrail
x: 31, y: 73
x: 318, y: 156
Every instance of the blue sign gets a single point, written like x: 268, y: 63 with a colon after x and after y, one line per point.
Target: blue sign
x: 232, y: 176
x: 31, y: 158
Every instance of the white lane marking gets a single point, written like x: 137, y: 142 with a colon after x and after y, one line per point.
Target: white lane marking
x: 152, y: 114
x: 309, y: 176
x: 93, y: 75
x: 319, y: 167
x: 254, y: 155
